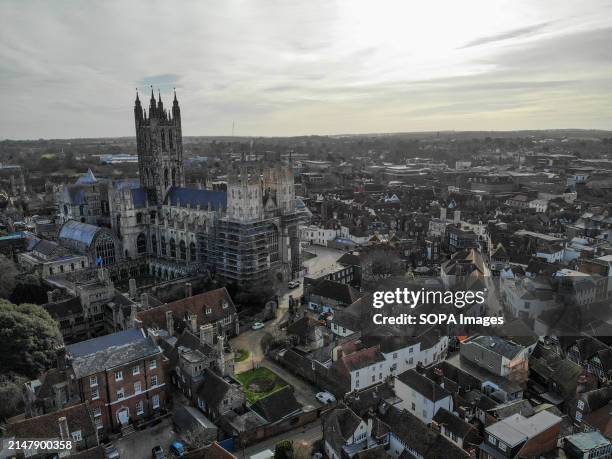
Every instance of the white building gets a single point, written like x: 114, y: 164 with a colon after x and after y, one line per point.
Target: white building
x: 421, y: 396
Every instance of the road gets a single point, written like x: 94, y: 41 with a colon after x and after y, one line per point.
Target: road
x: 302, y: 437
x: 139, y: 444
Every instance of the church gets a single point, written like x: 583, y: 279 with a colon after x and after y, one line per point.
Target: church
x: 247, y: 234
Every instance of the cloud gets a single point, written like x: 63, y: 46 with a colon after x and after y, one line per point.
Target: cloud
x: 508, y: 35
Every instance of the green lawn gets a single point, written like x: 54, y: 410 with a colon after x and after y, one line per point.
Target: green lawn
x: 260, y: 373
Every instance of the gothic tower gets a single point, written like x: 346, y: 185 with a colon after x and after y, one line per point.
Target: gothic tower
x: 159, y: 144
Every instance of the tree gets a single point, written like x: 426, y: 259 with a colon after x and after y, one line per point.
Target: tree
x: 283, y: 450
x: 8, y: 280
x: 29, y: 336
x: 11, y: 395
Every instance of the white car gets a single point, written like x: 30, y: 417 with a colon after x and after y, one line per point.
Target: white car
x: 293, y: 284
x: 326, y: 397
x: 257, y: 326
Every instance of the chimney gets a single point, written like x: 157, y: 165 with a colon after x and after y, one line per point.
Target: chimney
x: 193, y: 322
x: 206, y: 334
x: 221, y: 351
x: 63, y: 428
x: 442, y: 213
x: 133, y: 290
x: 60, y: 355
x: 188, y: 290
x: 170, y: 323
x: 144, y: 300
x: 457, y: 216
x: 439, y: 376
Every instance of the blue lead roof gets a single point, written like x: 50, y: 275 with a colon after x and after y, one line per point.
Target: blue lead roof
x: 78, y: 231
x: 193, y: 197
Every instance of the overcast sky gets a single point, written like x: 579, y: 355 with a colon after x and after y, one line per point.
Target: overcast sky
x: 70, y: 69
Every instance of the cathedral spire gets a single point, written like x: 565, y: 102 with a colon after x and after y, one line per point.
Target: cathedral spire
x: 152, y: 106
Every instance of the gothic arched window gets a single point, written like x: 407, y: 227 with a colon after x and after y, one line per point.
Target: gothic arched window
x: 141, y: 243
x: 173, y: 177
x: 183, y: 250
x: 163, y: 139
x: 192, y: 251
x: 172, y: 248
x: 154, y: 244
x: 166, y: 178
x: 170, y: 139
x: 163, y: 245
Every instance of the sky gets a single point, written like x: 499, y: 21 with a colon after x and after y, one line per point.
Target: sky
x: 283, y: 68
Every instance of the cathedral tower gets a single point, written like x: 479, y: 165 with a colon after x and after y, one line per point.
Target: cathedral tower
x: 159, y: 145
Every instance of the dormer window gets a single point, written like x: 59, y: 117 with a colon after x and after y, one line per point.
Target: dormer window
x: 208, y: 310
x: 225, y: 304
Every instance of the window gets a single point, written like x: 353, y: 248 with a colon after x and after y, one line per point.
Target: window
x: 395, y: 355
x: 93, y: 381
x: 172, y: 248
x: 357, y: 383
x: 379, y: 375
x: 373, y: 378
x: 492, y: 440
x: 425, y: 414
x: 192, y: 252
x: 155, y: 401
x: 97, y: 412
x: 410, y: 361
x: 413, y: 407
x: 95, y: 394
x: 120, y: 393
x: 136, y: 370
x: 154, y: 380
x: 502, y: 446
x: 76, y: 435
x: 99, y: 423
x: 118, y: 375
x: 208, y: 311
x: 153, y: 364
x: 183, y: 250
x: 137, y: 387
x: 141, y: 243
x: 140, y: 407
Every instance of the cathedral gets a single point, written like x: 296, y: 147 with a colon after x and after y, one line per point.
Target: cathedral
x: 247, y: 234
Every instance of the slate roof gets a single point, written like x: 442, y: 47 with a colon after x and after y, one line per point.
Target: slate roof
x: 342, y: 421
x: 498, y: 345
x: 87, y: 178
x: 420, y: 438
x: 64, y: 308
x: 213, y: 388
x: 277, y: 405
x: 195, y: 197
x: 197, y: 304
x: 343, y: 293
x: 47, y: 426
x: 423, y: 385
x: 452, y: 423
x: 109, y: 351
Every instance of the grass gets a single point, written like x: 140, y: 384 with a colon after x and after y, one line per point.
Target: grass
x: 241, y: 355
x: 259, y: 373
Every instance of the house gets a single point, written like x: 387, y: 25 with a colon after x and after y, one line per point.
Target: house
x: 74, y: 423
x: 217, y: 396
x: 526, y: 297
x: 591, y: 354
x: 461, y: 265
x: 587, y: 445
x: 592, y: 411
x: 346, y: 435
x: 214, y: 307
x: 328, y: 296
x: 277, y: 406
x: 306, y: 331
x: 410, y: 438
x: 421, y: 396
x: 497, y: 355
x: 519, y: 436
x: 120, y: 375
x: 361, y: 368
x: 520, y: 201
x: 460, y: 432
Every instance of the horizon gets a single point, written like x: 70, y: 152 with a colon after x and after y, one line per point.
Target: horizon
x: 324, y: 68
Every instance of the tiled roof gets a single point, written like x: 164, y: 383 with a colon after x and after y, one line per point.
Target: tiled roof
x: 362, y: 359
x: 423, y: 385
x: 47, y: 426
x: 197, y: 304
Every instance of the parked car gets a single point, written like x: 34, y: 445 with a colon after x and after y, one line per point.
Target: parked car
x: 158, y: 453
x: 177, y: 449
x: 326, y: 397
x: 111, y: 452
x: 257, y: 326
x: 293, y: 284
